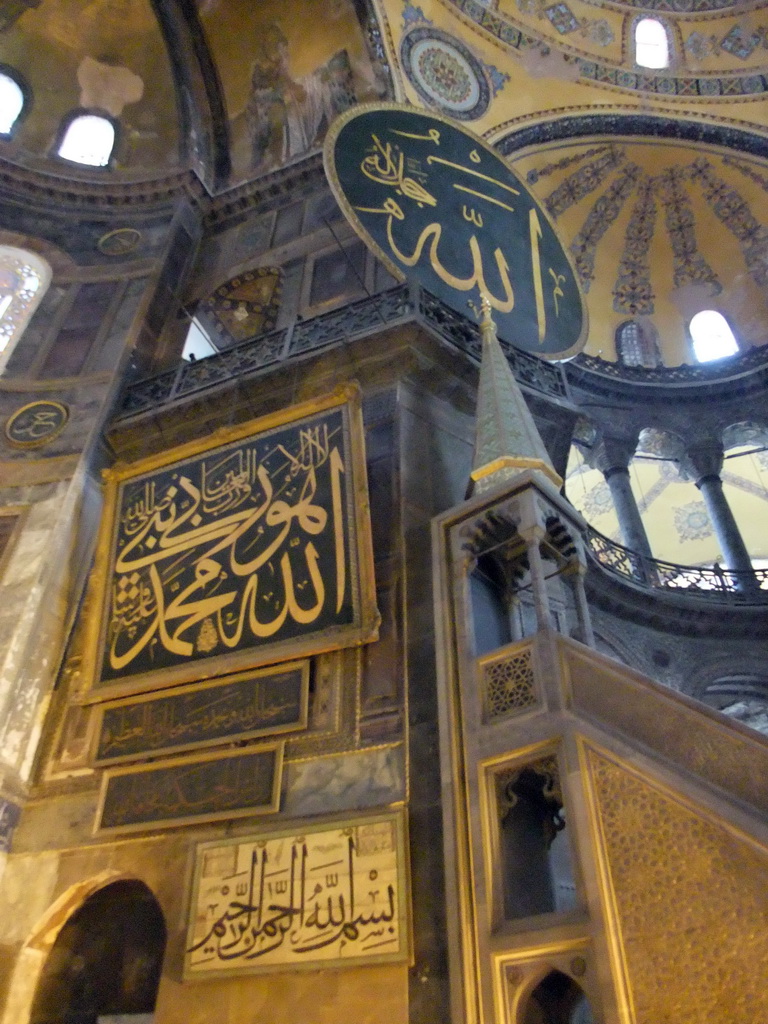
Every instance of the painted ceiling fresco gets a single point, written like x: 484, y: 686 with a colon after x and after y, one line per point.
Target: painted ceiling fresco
x: 658, y: 231
x: 533, y: 59
x: 284, y: 79
x: 727, y: 41
x: 105, y: 54
x: 674, y: 514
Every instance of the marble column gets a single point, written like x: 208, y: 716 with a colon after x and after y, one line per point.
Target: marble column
x: 533, y: 538
x: 612, y: 457
x: 586, y: 633
x: 703, y: 463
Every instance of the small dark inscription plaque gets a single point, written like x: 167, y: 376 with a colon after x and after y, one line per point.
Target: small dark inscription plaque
x: 190, y: 789
x: 237, y: 708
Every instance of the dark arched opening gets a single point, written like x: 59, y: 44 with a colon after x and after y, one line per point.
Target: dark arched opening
x: 557, y: 999
x: 106, y: 960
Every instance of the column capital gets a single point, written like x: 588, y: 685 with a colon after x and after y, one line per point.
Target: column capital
x: 609, y: 454
x: 532, y: 533
x: 701, y: 460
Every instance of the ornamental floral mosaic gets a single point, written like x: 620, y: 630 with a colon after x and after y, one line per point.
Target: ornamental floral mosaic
x: 443, y: 71
x: 633, y: 293
x: 600, y: 217
x: 735, y: 213
x: 692, y: 521
x: 604, y: 177
x: 738, y: 41
x: 598, y: 501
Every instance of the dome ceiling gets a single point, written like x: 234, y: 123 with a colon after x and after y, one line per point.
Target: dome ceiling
x: 718, y: 51
x: 104, y: 54
x: 236, y: 88
x: 659, y: 230
x: 247, y: 86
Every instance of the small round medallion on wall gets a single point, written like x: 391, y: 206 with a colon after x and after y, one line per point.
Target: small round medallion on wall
x: 36, y: 423
x: 119, y: 242
x: 445, y: 73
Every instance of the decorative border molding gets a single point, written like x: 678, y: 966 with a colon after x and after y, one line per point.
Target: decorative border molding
x: 662, y: 125
x: 69, y: 192
x: 710, y: 87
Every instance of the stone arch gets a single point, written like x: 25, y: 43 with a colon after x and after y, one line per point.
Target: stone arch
x: 34, y: 953
x: 739, y: 691
x: 565, y: 997
x: 746, y: 432
x: 532, y: 977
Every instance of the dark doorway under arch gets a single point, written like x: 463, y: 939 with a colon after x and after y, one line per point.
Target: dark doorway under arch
x: 557, y: 999
x: 106, y: 960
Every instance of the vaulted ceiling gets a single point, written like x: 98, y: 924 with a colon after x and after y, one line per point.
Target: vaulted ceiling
x: 655, y: 179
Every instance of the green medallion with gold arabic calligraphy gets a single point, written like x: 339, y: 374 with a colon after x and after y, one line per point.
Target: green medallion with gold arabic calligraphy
x: 437, y: 205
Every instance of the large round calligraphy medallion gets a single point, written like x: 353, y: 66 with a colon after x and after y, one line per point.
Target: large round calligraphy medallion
x: 437, y: 205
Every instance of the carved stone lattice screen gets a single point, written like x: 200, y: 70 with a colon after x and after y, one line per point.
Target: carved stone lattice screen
x: 507, y: 683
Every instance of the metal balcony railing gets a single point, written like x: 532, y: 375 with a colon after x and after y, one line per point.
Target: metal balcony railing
x: 399, y: 305
x: 744, y: 363
x: 701, y: 582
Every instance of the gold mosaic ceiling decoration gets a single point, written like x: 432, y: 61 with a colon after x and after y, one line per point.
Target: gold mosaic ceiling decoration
x: 103, y: 54
x: 716, y: 50
x: 658, y: 230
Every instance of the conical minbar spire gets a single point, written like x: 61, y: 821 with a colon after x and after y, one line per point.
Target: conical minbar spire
x: 507, y: 440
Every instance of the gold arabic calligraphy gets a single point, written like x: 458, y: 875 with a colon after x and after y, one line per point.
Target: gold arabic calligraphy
x: 386, y: 164
x: 228, y: 548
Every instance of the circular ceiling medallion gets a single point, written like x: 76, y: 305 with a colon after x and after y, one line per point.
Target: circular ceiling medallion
x: 445, y: 73
x: 36, y: 423
x: 119, y: 242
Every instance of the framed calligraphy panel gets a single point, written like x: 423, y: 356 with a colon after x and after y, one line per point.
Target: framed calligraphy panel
x: 240, y: 707
x: 245, y: 549
x: 321, y: 896
x: 436, y: 204
x: 189, y: 790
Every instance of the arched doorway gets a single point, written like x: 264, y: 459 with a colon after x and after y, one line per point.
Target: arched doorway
x: 557, y: 999
x: 106, y: 960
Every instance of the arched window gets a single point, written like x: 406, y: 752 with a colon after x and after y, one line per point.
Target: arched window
x: 651, y: 44
x: 88, y: 139
x: 11, y: 102
x: 635, y: 345
x: 24, y: 278
x: 712, y: 337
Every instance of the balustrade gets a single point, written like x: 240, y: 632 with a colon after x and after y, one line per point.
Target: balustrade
x: 704, y: 582
x: 357, y: 319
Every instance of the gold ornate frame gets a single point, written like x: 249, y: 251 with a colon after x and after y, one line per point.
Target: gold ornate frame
x: 212, y: 685
x: 150, y: 826
x: 362, y: 630
x: 403, y: 954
